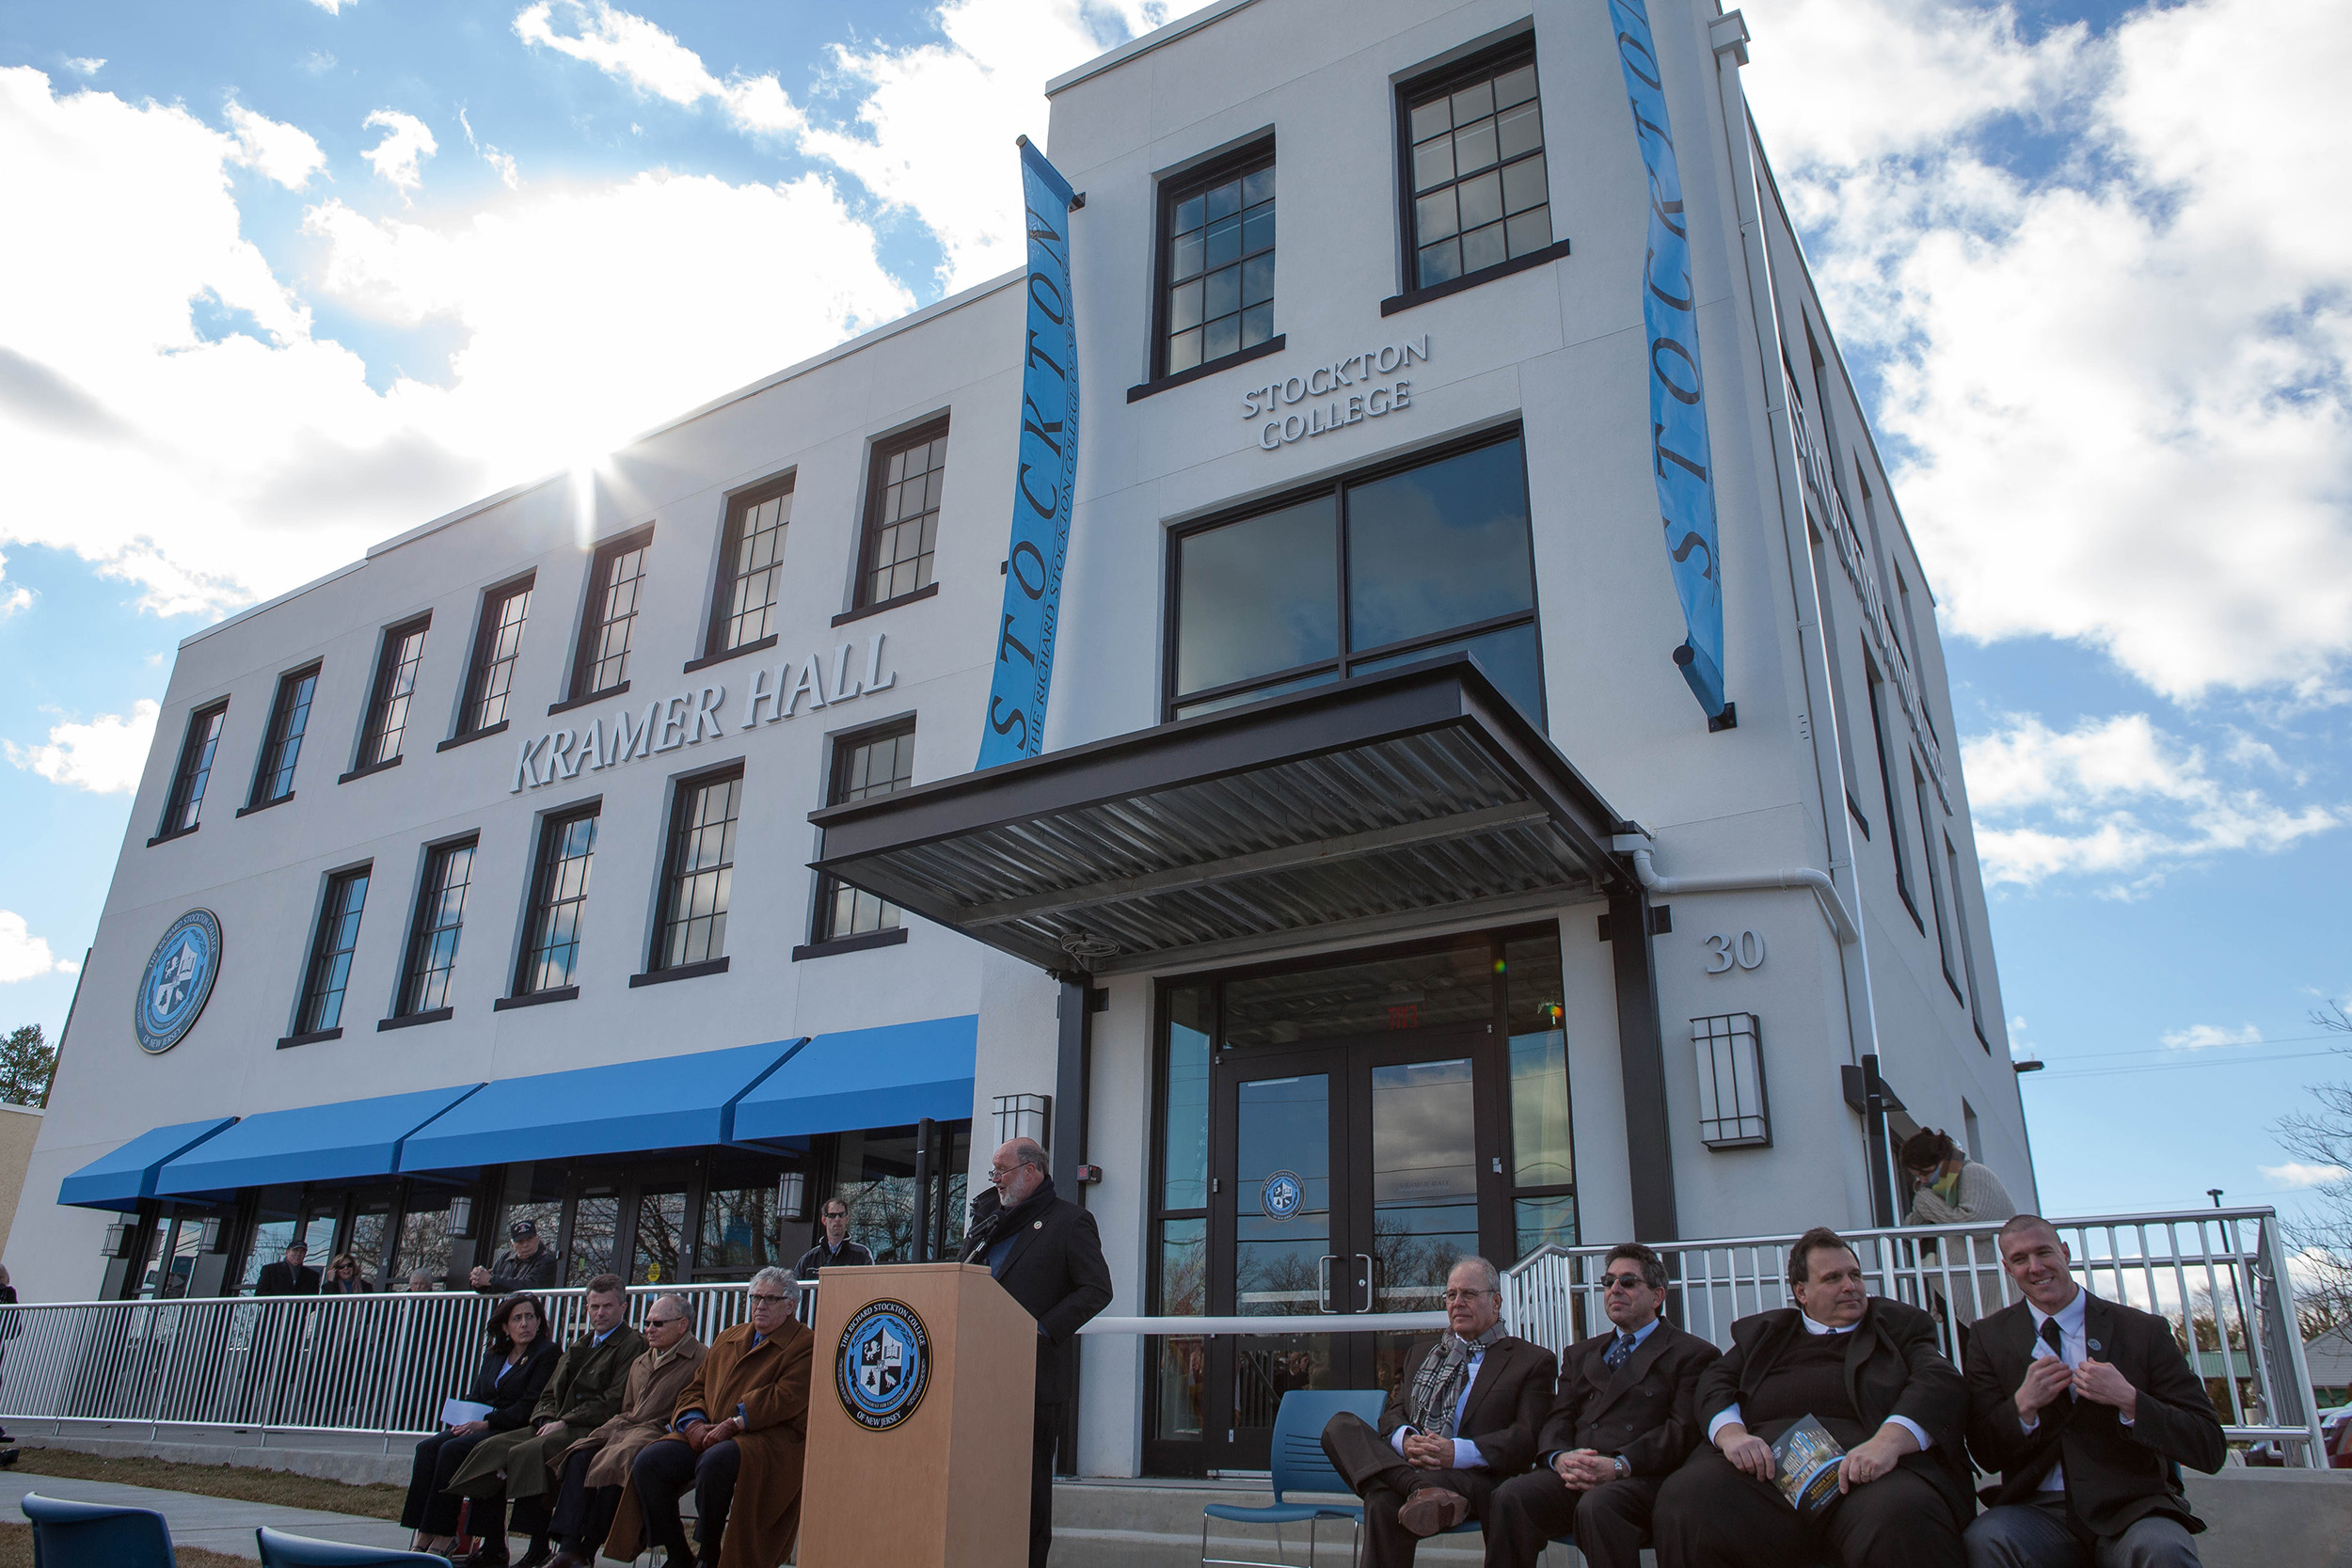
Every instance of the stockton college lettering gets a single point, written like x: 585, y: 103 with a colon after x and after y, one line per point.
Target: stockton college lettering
x: 1344, y: 392
x: 691, y: 718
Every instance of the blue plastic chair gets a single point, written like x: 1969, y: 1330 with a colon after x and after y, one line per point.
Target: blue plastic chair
x: 1299, y: 1466
x: 66, y: 1534
x: 280, y: 1551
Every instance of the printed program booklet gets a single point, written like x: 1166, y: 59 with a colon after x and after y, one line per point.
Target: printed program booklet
x: 1804, y: 1465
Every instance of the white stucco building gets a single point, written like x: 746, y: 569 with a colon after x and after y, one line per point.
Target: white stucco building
x: 1333, y: 954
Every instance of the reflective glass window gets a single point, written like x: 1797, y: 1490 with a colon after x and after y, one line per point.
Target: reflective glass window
x: 1257, y: 596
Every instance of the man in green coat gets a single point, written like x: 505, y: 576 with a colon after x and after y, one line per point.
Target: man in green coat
x: 584, y: 1393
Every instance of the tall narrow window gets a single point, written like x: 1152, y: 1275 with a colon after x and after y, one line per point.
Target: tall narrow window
x: 902, y: 513
x: 440, y: 919
x: 1843, y: 731
x: 186, y: 803
x: 1886, y: 781
x: 395, y: 686
x: 750, y: 568
x: 1217, y: 262
x: 699, y: 871
x: 615, y: 577
x: 331, y: 948
x: 498, y: 642
x: 879, y: 762
x: 1476, y: 195
x: 559, y: 896
x: 281, y: 745
x: 1968, y: 944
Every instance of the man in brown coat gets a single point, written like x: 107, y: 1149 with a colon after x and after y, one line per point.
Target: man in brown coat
x: 593, y: 1469
x: 738, y: 1439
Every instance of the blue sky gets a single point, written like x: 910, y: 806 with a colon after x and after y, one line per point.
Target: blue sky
x: 2069, y: 249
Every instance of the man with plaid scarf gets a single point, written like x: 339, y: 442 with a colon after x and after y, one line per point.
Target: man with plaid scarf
x: 1462, y: 1424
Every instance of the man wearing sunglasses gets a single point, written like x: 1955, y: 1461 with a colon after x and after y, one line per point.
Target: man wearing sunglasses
x: 1625, y: 1419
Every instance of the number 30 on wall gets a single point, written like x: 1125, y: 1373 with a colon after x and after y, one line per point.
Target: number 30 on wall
x: 1746, y: 950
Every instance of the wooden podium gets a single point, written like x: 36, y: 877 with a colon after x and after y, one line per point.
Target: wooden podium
x: 928, y: 1475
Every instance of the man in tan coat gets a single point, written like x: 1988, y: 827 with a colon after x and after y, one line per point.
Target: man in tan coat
x: 738, y: 1439
x: 593, y: 1469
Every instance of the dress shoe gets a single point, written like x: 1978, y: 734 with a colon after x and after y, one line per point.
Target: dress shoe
x: 570, y: 1558
x: 1432, y: 1511
x: 539, y: 1556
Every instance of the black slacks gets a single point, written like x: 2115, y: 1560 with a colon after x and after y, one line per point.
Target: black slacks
x: 663, y: 1474
x: 1713, y: 1516
x: 1611, y: 1522
x: 581, y: 1516
x: 429, y: 1508
x: 1041, y: 1483
x: 1384, y: 1479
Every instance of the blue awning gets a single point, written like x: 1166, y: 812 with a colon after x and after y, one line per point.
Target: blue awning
x: 119, y: 1179
x: 350, y: 1140
x: 887, y: 1077
x: 661, y: 1103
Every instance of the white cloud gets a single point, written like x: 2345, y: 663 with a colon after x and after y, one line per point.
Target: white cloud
x: 654, y: 62
x: 318, y: 62
x: 285, y: 153
x: 2296, y: 1174
x: 84, y: 65
x: 2122, y: 363
x: 12, y: 599
x: 407, y: 142
x: 502, y: 161
x: 25, y: 956
x: 2199, y: 1036
x: 105, y: 757
x: 333, y: 7
x: 2112, y: 797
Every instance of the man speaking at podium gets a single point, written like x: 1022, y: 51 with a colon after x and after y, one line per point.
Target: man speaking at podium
x: 1047, y: 1253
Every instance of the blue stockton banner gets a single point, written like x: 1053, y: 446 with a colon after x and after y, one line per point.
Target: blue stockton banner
x: 1048, y: 470
x: 1678, y: 415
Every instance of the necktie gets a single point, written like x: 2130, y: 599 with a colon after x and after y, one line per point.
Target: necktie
x: 1615, y: 1356
x: 2051, y: 1338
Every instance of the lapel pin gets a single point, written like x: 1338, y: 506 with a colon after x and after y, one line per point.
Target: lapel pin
x: 2095, y: 1344
x: 1036, y: 1225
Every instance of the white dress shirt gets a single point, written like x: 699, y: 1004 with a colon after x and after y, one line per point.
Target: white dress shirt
x: 1466, y: 1454
x: 1731, y: 1412
x: 2073, y: 1341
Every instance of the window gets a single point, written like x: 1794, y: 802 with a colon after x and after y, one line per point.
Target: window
x: 1935, y: 884
x: 902, y: 514
x: 1358, y: 576
x: 1842, y: 732
x: 395, y: 685
x: 750, y: 568
x: 498, y: 641
x: 1968, y: 944
x: 331, y: 948
x: 1476, y: 195
x: 614, y: 579
x: 440, y: 919
x: 289, y: 716
x: 1217, y: 262
x: 559, y: 895
x: 699, y: 871
x: 1886, y: 782
x: 186, y: 803
x: 878, y: 761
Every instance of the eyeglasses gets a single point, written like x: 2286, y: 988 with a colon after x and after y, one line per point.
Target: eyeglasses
x: 1453, y: 1296
x: 760, y: 1297
x: 1631, y: 1281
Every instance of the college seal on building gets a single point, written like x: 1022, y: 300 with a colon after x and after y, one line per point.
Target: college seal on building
x: 178, y: 981
x: 1281, y: 1194
x: 883, y: 1365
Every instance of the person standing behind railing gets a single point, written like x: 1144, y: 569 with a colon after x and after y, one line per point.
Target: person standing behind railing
x: 512, y: 1375
x: 11, y: 1324
x: 527, y: 1265
x: 343, y: 1277
x: 1948, y: 1187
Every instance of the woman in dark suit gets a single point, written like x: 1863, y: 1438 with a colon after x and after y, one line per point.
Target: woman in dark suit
x: 513, y: 1373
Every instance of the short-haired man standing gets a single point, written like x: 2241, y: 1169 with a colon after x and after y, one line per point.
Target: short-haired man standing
x: 833, y: 1248
x: 1867, y: 1369
x: 1625, y: 1419
x: 2084, y: 1405
x: 1047, y: 1253
x: 526, y: 1264
x: 1463, y: 1423
x: 288, y: 1277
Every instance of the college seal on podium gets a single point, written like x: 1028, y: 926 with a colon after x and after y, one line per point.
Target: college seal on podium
x: 177, y: 982
x: 882, y: 1365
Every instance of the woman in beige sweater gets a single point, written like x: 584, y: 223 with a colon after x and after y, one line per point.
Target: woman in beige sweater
x: 1948, y: 1187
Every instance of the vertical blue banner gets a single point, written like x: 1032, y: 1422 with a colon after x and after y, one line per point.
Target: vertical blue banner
x: 1042, y: 486
x: 1677, y: 415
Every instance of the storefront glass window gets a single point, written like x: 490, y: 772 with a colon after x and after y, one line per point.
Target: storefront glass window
x: 423, y: 1239
x: 1424, y: 1180
x: 1542, y: 1147
x: 1545, y: 1220
x: 876, y: 1181
x: 1441, y: 546
x: 1510, y: 658
x: 1257, y: 596
x: 1186, y: 1095
x: 740, y: 1234
x: 370, y: 1229
x: 660, y: 1229
x: 595, y: 1229
x: 1452, y: 985
x: 273, y: 1230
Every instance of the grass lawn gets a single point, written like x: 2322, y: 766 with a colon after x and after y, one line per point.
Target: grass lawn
x: 16, y: 1550
x: 375, y: 1501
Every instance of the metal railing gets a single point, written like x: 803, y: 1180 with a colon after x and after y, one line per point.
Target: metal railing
x: 2219, y: 1275
x: 378, y: 1365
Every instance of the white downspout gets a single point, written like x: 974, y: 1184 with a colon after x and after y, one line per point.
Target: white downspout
x: 1825, y: 893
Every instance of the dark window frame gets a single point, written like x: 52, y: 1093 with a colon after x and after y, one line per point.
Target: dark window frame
x: 489, y: 621
x: 1505, y: 55
x: 288, y: 721
x: 740, y: 505
x: 1338, y: 666
x: 1874, y: 681
x: 430, y: 892
x: 1968, y: 944
x: 375, y: 725
x: 870, y: 529
x: 845, y: 746
x: 596, y: 617
x: 540, y: 911
x: 682, y: 794
x: 190, y: 777
x: 1174, y: 190
x: 1935, y: 884
x: 309, y: 1017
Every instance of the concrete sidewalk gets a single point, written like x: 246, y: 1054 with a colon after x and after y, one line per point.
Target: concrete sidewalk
x: 222, y: 1524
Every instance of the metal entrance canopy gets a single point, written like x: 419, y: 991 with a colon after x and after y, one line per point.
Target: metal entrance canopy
x: 1358, y: 808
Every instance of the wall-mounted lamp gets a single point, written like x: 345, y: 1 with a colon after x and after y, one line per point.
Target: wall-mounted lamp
x: 792, y: 1196
x: 1025, y: 1116
x: 118, y: 1242
x: 461, y: 1218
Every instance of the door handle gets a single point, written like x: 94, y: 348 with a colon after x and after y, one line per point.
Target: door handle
x: 1363, y: 1281
x: 1323, y: 1283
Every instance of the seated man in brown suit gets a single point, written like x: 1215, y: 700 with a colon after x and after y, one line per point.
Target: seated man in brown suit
x: 1463, y: 1423
x: 1626, y: 1419
x: 594, y: 1470
x: 1869, y: 1371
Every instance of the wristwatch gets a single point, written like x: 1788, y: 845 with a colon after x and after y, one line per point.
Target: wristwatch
x: 1624, y: 1469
